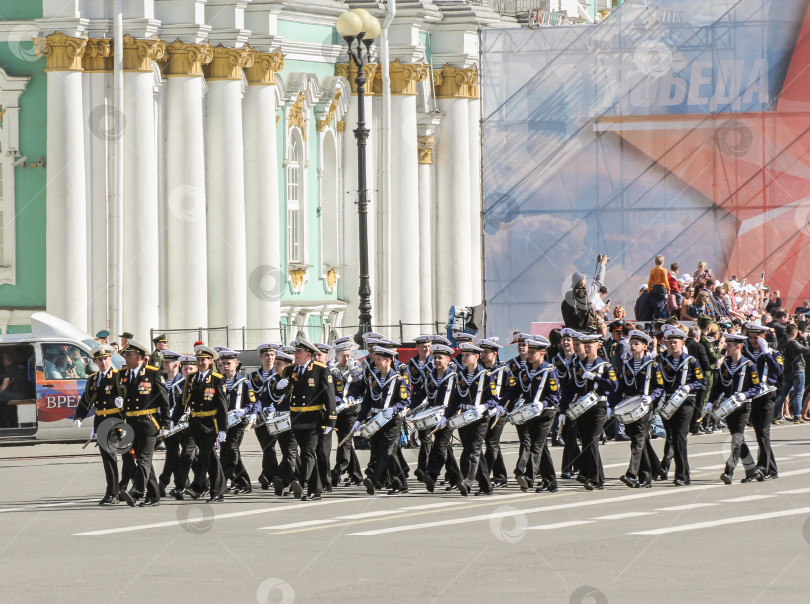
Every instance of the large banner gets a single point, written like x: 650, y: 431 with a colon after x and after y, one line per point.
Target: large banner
x: 675, y: 127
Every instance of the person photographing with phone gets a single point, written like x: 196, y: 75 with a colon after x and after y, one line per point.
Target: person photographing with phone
x: 577, y: 307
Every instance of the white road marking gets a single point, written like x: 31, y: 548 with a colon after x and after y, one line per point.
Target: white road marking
x: 801, y: 455
x: 715, y: 467
x: 46, y: 505
x: 745, y: 499
x: 794, y: 491
x: 688, y: 506
x: 723, y: 521
x: 548, y: 527
x: 624, y: 515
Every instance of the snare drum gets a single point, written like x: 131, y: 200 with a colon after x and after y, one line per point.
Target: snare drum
x: 234, y: 419
x: 428, y: 419
x: 178, y: 427
x: 674, y: 402
x: 524, y: 413
x: 278, y: 423
x: 373, y: 425
x: 727, y: 407
x: 632, y: 409
x: 584, y: 403
x: 465, y: 418
x: 346, y: 405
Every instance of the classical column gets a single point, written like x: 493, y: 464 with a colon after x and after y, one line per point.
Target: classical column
x: 65, y: 199
x: 404, y: 284
x: 351, y: 235
x: 225, y: 188
x: 142, y: 251
x: 453, y: 232
x: 425, y: 142
x: 474, y: 109
x: 262, y: 214
x: 186, y: 250
x: 100, y: 131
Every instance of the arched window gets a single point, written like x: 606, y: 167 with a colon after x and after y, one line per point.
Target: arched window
x: 295, y: 199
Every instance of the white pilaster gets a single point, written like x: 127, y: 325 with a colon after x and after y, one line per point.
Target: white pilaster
x: 427, y: 131
x: 476, y: 270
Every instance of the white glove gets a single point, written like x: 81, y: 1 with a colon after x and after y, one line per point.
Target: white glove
x: 239, y: 412
x: 77, y: 423
x: 356, y: 426
x: 589, y: 375
x: 608, y: 413
x: 327, y: 429
x: 350, y: 400
x: 221, y: 436
x: 171, y: 425
x: 646, y: 398
x: 707, y: 408
x: 442, y: 423
x: 687, y: 388
x: 119, y: 402
x: 252, y: 419
x: 388, y: 413
x: 763, y: 345
x: 93, y: 433
x: 741, y: 396
x: 282, y: 384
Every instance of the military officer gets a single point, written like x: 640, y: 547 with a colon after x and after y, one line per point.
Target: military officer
x: 244, y: 408
x: 204, y: 397
x: 160, y: 344
x: 324, y: 450
x: 100, y: 393
x: 142, y: 397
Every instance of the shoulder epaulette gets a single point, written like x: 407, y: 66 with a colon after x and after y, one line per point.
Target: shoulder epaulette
x: 216, y: 375
x: 152, y: 368
x: 319, y: 364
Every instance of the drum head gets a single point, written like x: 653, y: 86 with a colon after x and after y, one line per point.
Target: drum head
x: 115, y: 436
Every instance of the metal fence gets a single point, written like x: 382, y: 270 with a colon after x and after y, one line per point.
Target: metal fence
x: 182, y: 340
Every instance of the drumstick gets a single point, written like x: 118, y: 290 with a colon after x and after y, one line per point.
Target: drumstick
x: 348, y: 436
x: 89, y: 440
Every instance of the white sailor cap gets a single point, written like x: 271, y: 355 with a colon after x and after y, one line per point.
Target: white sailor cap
x: 169, y: 355
x: 491, y: 343
x: 373, y: 334
x: 442, y: 349
x: 468, y: 347
x: 386, y: 352
x: 269, y: 346
x: 342, y: 340
x: 440, y: 340
x: 735, y: 338
x: 567, y: 332
x: 538, y: 342
x: 756, y: 328
x: 323, y: 347
x: 205, y: 352
x: 346, y: 345
x: 636, y: 334
x: 423, y: 339
x: 519, y: 336
x: 589, y: 338
x: 227, y: 353
x: 673, y: 333
x: 283, y: 356
x: 221, y: 349
x: 187, y: 359
x: 304, y: 344
x: 462, y: 336
x: 287, y: 349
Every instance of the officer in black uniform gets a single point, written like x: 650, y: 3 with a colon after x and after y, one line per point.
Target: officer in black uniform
x: 145, y: 403
x: 737, y: 377
x: 349, y: 390
x: 180, y: 446
x: 309, y: 387
x: 539, y: 384
x: 259, y: 379
x: 204, y: 397
x: 100, y: 393
x: 770, y: 366
x: 640, y: 376
x: 244, y: 408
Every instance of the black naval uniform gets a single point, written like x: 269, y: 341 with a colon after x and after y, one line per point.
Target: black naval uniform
x: 534, y: 461
x: 591, y: 472
x: 288, y: 446
x: 348, y: 384
x: 146, y: 409
x: 311, y: 395
x: 439, y: 453
x: 641, y: 379
x: 684, y: 371
x: 242, y: 400
x: 204, y: 396
x: 259, y: 382
x: 742, y: 380
x: 569, y: 430
x: 100, y: 392
x: 770, y: 367
x: 180, y: 447
x: 492, y: 439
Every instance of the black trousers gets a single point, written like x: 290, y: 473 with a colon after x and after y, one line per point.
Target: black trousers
x: 700, y: 402
x: 677, y: 428
x: 441, y: 456
x: 288, y: 466
x: 644, y: 462
x: 590, y: 429
x: 179, y: 458
x: 473, y: 463
x: 346, y: 457
x: 492, y: 453
x: 231, y: 457
x: 320, y: 479
x: 207, y: 461
x: 127, y: 469
x: 110, y: 463
x: 269, y: 458
x: 571, y: 451
x: 736, y: 423
x: 425, y: 446
x: 307, y: 439
x: 144, y: 480
x: 762, y: 410
x: 384, y: 445
x: 534, y: 460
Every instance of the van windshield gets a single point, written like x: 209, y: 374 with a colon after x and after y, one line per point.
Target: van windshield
x: 117, y: 359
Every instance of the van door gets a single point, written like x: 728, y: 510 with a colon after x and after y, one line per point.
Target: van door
x: 61, y: 377
x: 18, y: 409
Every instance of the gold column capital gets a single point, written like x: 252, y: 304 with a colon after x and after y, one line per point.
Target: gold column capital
x: 404, y: 77
x: 456, y: 83
x: 140, y: 53
x: 183, y: 59
x: 61, y: 52
x: 227, y: 63
x: 98, y: 55
x: 424, y: 146
x: 263, y: 70
x: 349, y: 71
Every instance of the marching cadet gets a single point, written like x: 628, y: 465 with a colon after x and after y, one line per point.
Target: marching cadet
x: 244, y: 407
x: 179, y: 446
x: 474, y: 391
x: 324, y: 450
x: 440, y: 384
x: 572, y: 350
x: 259, y: 379
x: 387, y: 394
x: 100, y: 393
x: 510, y: 390
x: 276, y: 404
x: 539, y: 383
x: 769, y: 365
x: 160, y: 345
x: 418, y: 368
x: 738, y: 378
x: 678, y: 369
x: 640, y: 376
x: 460, y: 337
x: 310, y: 392
x: 204, y: 397
x: 143, y: 399
x: 349, y: 390
x: 592, y: 374
x: 492, y: 441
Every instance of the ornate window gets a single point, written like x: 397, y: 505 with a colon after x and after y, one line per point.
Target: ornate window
x: 295, y: 202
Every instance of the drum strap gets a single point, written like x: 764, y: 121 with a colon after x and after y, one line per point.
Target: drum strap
x: 480, y: 388
x: 447, y: 391
x: 541, y: 386
x: 238, y: 404
x: 743, y: 372
x: 647, y: 379
x: 391, y: 385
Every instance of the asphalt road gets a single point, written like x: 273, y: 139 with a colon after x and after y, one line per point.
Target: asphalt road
x: 704, y: 543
